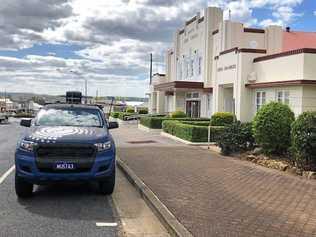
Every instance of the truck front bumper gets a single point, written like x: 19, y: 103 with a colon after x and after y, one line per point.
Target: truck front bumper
x: 103, y: 167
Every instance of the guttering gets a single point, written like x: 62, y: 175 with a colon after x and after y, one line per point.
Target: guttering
x: 281, y: 83
x: 159, y: 74
x: 254, y: 30
x: 191, y: 20
x: 284, y: 54
x: 243, y: 50
x: 229, y: 51
x: 215, y: 32
x: 247, y: 50
x: 201, y: 19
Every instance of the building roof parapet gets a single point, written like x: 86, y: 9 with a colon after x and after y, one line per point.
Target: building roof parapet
x: 284, y: 54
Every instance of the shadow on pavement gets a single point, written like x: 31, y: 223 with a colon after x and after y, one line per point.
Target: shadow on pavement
x: 70, y: 202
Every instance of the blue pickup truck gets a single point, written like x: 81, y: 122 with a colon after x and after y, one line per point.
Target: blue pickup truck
x: 66, y: 143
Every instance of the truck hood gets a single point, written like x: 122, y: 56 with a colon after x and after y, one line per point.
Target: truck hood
x: 66, y: 134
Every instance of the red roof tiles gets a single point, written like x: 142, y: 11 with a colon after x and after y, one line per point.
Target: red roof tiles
x: 297, y: 40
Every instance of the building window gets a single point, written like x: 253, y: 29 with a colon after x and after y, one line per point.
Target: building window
x: 283, y: 97
x: 260, y: 99
x: 192, y: 67
x: 200, y: 65
x: 208, y: 102
x: 195, y: 95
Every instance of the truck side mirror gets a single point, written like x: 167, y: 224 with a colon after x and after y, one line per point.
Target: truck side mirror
x: 26, y: 122
x: 112, y: 125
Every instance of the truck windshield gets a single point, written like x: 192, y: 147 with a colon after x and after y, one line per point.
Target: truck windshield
x: 69, y: 117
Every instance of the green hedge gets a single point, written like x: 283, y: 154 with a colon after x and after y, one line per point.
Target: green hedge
x: 24, y: 115
x: 130, y: 110
x: 143, y: 111
x: 304, y: 140
x: 272, y: 127
x: 190, y: 132
x: 178, y: 114
x: 115, y: 114
x: 197, y: 123
x: 236, y: 137
x: 155, y: 122
x: 222, y: 119
x: 124, y: 115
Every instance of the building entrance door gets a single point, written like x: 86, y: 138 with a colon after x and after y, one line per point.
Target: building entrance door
x: 193, y: 108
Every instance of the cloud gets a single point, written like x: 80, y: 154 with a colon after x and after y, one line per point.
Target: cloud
x: 53, y: 75
x: 115, y: 38
x: 314, y: 13
x: 21, y: 22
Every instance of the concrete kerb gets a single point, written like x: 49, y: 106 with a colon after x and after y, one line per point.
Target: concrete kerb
x: 171, y: 223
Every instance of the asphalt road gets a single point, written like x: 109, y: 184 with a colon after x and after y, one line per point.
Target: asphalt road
x: 68, y: 210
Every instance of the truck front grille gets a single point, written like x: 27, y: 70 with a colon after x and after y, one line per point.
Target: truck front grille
x: 82, y: 155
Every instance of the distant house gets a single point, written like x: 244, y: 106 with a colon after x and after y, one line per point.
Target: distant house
x: 8, y: 105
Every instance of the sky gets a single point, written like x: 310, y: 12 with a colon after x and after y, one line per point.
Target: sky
x: 51, y: 46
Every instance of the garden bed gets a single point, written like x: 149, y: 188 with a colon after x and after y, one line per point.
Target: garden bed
x: 276, y: 162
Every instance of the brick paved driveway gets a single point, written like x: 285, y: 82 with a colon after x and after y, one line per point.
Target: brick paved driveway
x: 216, y: 196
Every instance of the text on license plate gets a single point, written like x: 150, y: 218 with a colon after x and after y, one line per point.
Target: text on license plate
x: 64, y: 166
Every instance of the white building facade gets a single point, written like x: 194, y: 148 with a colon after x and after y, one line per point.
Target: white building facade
x: 222, y: 66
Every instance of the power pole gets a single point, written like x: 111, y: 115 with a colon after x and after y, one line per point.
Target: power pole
x: 86, y: 90
x: 151, y: 69
x: 5, y: 101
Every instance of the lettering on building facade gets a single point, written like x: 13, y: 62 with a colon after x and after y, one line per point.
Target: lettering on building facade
x: 230, y: 67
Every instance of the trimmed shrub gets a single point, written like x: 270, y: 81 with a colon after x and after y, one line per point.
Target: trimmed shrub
x: 197, y: 123
x: 124, y: 115
x: 178, y: 114
x: 222, y: 119
x: 304, y: 140
x: 114, y: 114
x: 272, y: 127
x: 143, y: 111
x: 155, y: 122
x: 190, y: 132
x: 236, y: 137
x: 24, y: 115
x: 130, y: 110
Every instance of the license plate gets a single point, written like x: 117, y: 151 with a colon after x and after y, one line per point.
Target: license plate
x: 64, y: 166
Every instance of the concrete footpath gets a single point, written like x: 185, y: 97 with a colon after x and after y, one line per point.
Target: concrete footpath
x: 213, y: 195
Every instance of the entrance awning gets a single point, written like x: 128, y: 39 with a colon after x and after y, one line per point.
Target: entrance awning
x: 185, y: 85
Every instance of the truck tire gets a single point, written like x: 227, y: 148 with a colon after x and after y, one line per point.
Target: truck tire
x: 23, y: 189
x: 106, y: 186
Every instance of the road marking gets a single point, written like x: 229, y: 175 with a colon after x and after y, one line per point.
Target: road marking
x: 106, y: 224
x: 6, y: 174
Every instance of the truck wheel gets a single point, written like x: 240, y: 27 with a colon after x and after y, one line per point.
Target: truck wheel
x: 23, y: 189
x: 106, y: 186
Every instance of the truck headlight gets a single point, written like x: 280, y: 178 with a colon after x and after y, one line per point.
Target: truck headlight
x: 103, y: 146
x: 27, y: 145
